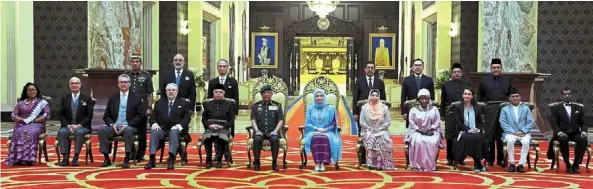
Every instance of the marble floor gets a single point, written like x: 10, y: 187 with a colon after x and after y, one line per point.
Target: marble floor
x: 397, y: 125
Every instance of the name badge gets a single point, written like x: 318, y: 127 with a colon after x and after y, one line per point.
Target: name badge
x: 273, y: 108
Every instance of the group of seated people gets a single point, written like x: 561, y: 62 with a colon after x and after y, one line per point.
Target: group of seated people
x: 171, y: 117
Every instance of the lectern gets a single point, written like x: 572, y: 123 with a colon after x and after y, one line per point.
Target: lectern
x: 529, y: 88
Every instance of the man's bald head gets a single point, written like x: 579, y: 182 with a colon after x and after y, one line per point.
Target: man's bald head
x: 75, y: 84
x: 178, y: 61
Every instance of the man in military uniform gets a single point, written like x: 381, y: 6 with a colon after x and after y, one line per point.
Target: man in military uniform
x: 452, y: 91
x: 267, y: 118
x: 217, y: 117
x: 141, y: 86
x: 493, y: 90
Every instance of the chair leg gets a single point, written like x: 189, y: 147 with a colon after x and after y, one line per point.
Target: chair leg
x: 557, y: 157
x: 86, y: 154
x: 249, y: 148
x: 114, y: 150
x: 588, y: 158
x: 40, y: 146
x: 200, y: 152
x: 135, y: 152
x: 182, y: 148
x: 303, y: 158
x: 56, y: 146
x: 505, y: 153
x: 359, y: 156
x: 45, y: 151
x: 406, y: 153
x: 536, y: 148
x: 230, y: 151
x: 162, y: 153
x: 528, y: 160
x: 284, y: 164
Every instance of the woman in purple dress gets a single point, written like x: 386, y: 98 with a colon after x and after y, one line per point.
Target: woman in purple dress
x: 424, y: 134
x: 321, y: 132
x: 30, y: 115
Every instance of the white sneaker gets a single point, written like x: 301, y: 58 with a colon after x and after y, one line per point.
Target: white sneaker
x: 322, y: 169
x: 317, y: 167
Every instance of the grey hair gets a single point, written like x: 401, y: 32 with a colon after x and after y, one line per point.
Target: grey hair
x: 123, y: 76
x: 170, y: 86
x: 221, y: 60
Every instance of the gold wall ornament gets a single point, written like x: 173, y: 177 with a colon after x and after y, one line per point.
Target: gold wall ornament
x: 382, y: 29
x: 264, y: 28
x: 323, y: 23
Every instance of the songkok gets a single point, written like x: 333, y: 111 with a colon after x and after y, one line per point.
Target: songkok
x: 218, y: 86
x: 496, y: 61
x: 514, y: 91
x: 136, y: 56
x: 456, y: 65
x: 264, y: 39
x: 423, y: 92
x: 265, y: 88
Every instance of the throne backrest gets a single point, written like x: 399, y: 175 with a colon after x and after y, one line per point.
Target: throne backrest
x: 332, y: 92
x: 278, y: 86
x: 411, y: 103
x: 361, y: 103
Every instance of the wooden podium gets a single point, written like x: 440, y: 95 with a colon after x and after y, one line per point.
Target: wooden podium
x: 529, y: 88
x: 100, y: 84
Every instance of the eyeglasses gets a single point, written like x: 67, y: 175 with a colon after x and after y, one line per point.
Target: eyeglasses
x: 123, y: 81
x: 177, y: 59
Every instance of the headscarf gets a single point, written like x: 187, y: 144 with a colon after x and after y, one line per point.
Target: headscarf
x: 424, y: 92
x: 323, y: 103
x: 375, y: 111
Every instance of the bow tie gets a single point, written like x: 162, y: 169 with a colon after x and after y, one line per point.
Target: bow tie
x: 567, y: 103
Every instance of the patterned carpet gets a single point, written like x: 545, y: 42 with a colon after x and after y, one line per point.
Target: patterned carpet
x: 49, y: 175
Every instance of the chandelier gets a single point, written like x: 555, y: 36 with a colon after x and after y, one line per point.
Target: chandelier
x: 322, y: 8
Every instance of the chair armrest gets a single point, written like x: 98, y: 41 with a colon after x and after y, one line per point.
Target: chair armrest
x: 339, y: 129
x: 302, y: 128
x: 249, y: 128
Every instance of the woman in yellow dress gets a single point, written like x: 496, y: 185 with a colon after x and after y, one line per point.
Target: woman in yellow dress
x: 382, y: 54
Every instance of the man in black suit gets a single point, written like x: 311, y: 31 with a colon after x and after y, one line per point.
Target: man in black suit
x: 231, y: 87
x: 363, y: 87
x: 412, y: 84
x: 231, y: 90
x: 124, y: 114
x: 75, y: 115
x: 184, y: 79
x: 493, y: 90
x: 170, y: 118
x: 568, y: 125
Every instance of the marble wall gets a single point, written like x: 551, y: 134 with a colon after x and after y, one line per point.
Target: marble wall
x: 510, y: 33
x: 114, y: 33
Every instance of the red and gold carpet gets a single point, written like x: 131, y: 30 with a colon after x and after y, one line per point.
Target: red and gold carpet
x: 49, y: 175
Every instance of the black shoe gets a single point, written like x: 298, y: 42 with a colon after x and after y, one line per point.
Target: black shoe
x: 371, y: 168
x: 490, y: 164
x: 499, y: 163
x: 449, y: 162
x: 575, y: 169
x: 461, y: 162
x: 125, y: 165
x: 64, y: 163
x: 171, y: 164
x: 106, y: 163
x: 75, y: 163
x: 256, y: 167
x: 511, y: 168
x: 569, y: 170
x: 520, y: 169
x: 208, y: 165
x: 275, y: 167
x: 219, y: 164
x: 150, y: 164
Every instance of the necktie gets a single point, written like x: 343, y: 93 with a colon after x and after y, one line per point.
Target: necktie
x: 170, y: 106
x: 177, y: 78
x: 418, y: 82
x: 370, y: 83
x: 122, y: 110
x: 75, y: 100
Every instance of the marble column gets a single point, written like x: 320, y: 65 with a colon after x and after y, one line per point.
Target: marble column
x: 509, y: 33
x: 114, y: 33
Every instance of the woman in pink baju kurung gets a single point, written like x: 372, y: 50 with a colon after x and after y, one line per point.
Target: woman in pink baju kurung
x: 424, y: 134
